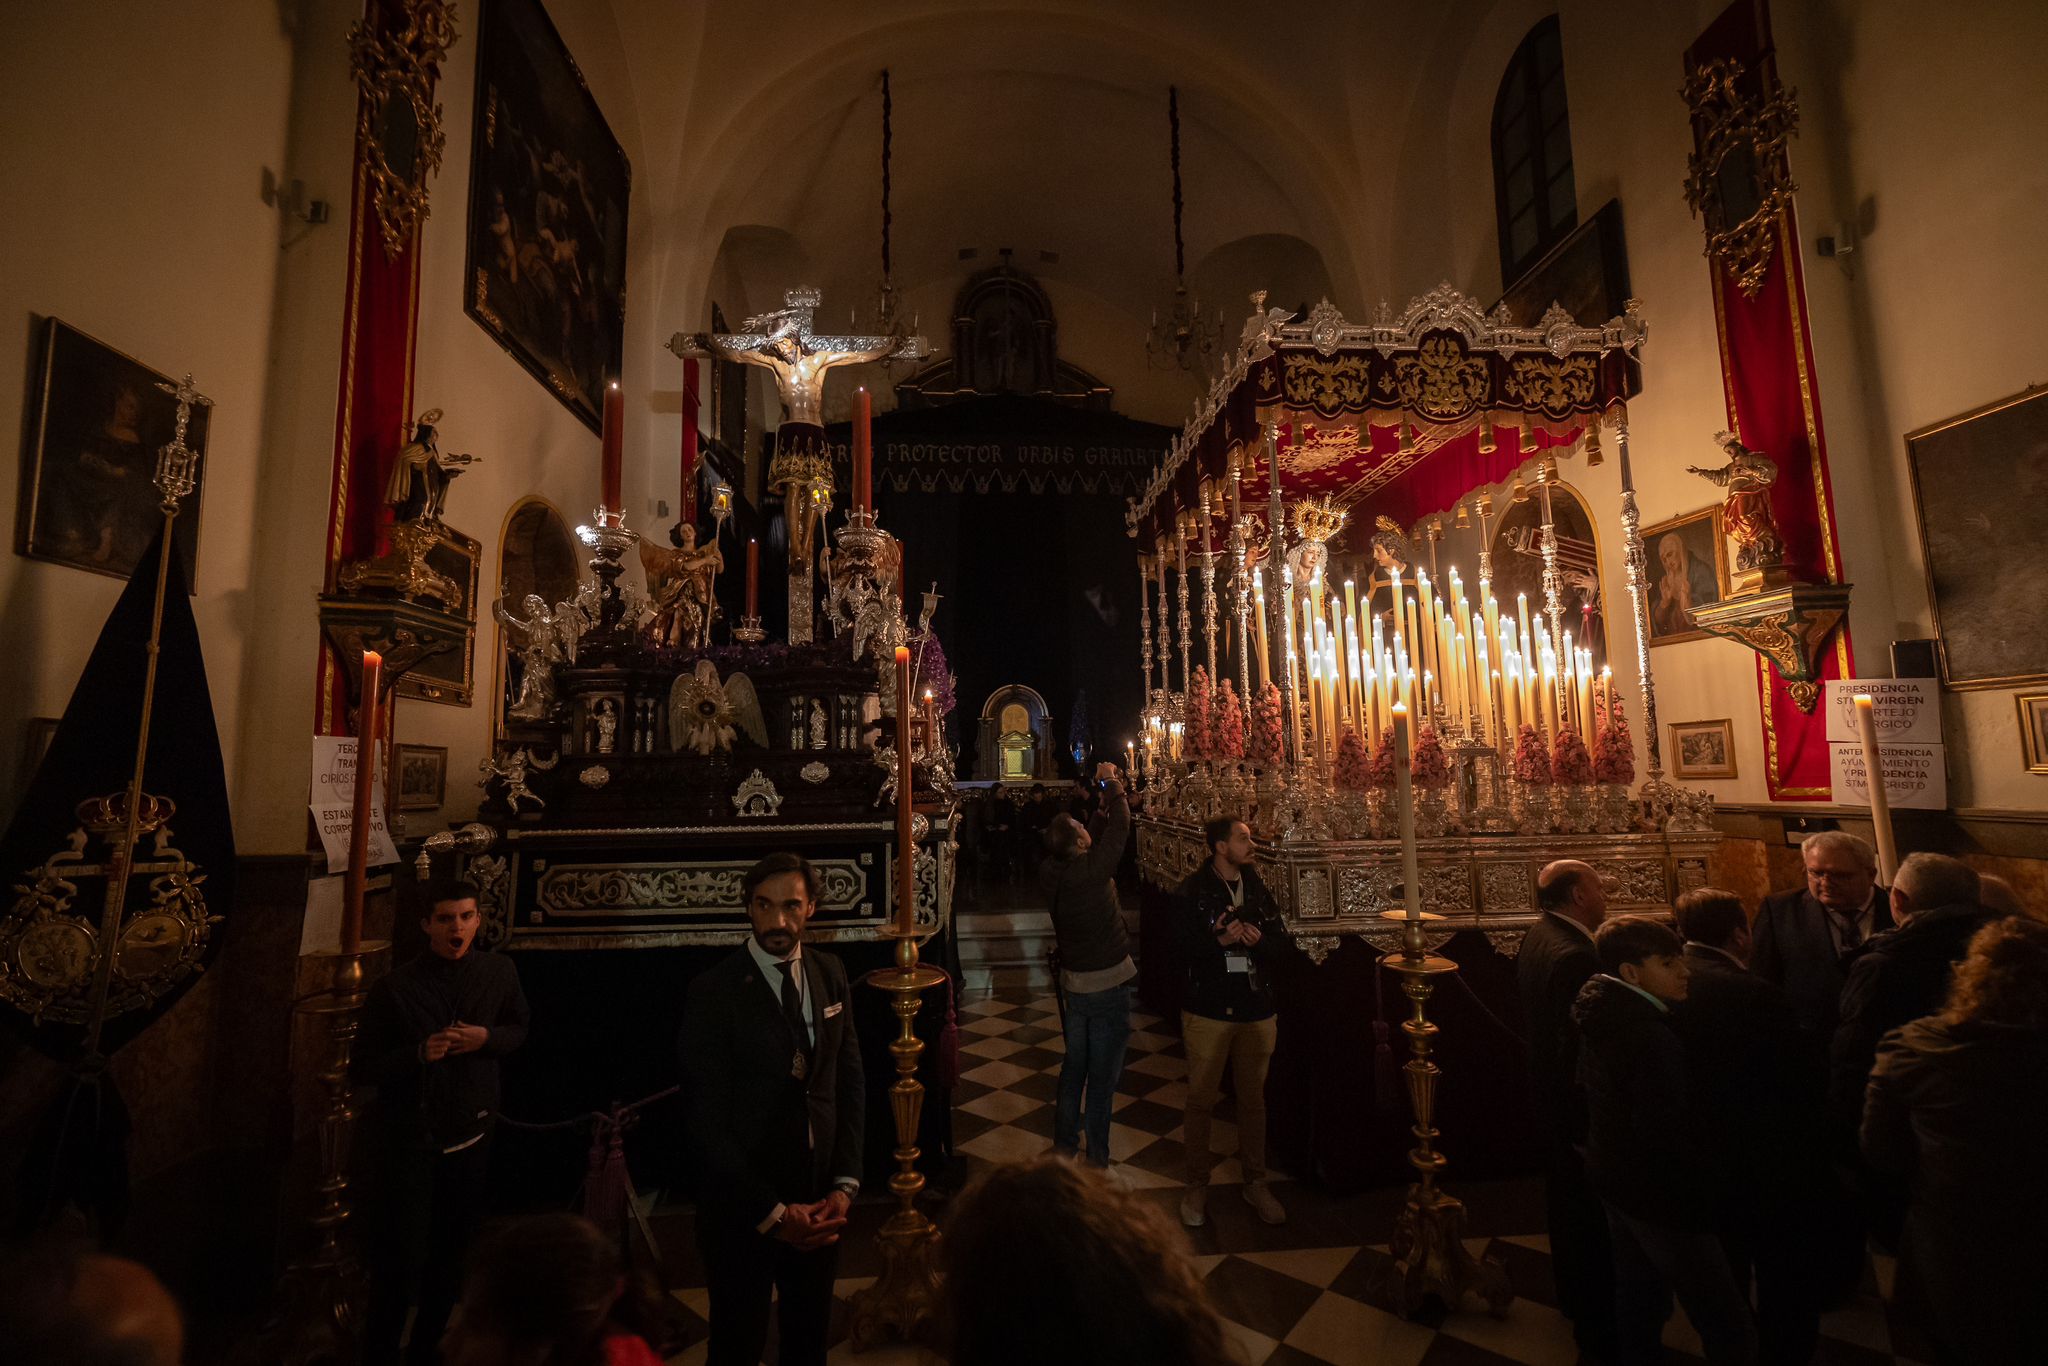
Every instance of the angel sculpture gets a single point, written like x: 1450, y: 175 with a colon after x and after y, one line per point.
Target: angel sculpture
x: 1746, y: 512
x: 511, y: 771
x: 539, y: 638
x: 682, y: 583
x: 705, y: 714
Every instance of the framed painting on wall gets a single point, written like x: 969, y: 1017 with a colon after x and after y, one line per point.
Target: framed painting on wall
x: 422, y: 776
x: 1688, y: 569
x: 1980, y: 488
x: 1703, y: 749
x: 2033, y: 730
x: 96, y: 423
x: 548, y: 184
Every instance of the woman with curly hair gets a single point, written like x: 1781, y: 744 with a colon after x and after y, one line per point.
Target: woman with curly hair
x: 1956, y: 1106
x: 1047, y: 1261
x: 550, y: 1290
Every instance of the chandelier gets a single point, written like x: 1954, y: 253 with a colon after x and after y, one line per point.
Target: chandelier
x: 1182, y: 337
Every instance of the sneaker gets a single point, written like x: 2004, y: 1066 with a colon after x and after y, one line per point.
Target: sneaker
x: 1194, y: 1206
x: 1114, y: 1174
x: 1260, y: 1197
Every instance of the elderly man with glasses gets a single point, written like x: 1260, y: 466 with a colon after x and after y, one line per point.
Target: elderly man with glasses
x: 1803, y: 938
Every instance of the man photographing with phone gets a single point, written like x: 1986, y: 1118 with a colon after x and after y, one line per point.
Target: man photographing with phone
x: 1230, y: 934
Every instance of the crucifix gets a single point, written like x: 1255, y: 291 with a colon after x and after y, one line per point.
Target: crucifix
x: 783, y: 343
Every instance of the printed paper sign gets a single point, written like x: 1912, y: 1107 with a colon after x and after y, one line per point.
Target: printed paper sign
x: 321, y: 932
x: 1915, y: 776
x: 333, y: 805
x: 1906, y: 711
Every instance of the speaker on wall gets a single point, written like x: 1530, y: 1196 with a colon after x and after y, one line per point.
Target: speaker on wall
x: 1915, y: 659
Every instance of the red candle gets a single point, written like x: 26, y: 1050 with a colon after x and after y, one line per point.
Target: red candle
x: 863, y: 447
x: 906, y: 849
x: 610, y: 468
x: 753, y: 577
x: 359, y: 815
x: 688, y: 500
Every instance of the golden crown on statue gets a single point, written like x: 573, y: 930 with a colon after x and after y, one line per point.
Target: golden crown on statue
x: 1318, y: 519
x: 801, y: 469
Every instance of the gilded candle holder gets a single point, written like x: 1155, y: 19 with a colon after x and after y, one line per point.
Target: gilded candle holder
x: 1428, y: 1247
x: 902, y: 1303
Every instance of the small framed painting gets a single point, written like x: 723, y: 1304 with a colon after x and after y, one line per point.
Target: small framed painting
x: 422, y: 777
x: 98, y: 418
x: 1688, y: 569
x: 1703, y: 749
x: 2034, y: 730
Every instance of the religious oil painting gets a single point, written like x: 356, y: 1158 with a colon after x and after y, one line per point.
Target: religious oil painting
x: 1703, y: 749
x: 2033, y: 730
x: 88, y: 494
x: 1518, y: 563
x: 548, y: 184
x: 1980, y: 485
x: 422, y: 777
x: 1688, y: 569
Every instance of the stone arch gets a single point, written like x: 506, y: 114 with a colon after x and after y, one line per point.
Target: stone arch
x: 1015, y: 755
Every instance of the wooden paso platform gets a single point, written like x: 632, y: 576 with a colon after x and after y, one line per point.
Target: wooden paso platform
x: 1336, y: 1108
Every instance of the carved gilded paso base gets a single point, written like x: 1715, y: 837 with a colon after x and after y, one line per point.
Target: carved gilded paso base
x: 1484, y: 882
x: 1788, y: 626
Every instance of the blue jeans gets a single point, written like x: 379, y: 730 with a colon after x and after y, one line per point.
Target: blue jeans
x: 1098, y: 1028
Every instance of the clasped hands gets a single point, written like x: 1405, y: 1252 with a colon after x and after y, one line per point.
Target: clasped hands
x: 810, y: 1227
x: 1239, y: 933
x: 456, y: 1038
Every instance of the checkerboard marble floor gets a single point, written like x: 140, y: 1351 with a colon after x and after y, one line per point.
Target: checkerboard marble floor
x: 1301, y: 1294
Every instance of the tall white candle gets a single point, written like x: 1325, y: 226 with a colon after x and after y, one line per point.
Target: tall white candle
x: 1404, y: 803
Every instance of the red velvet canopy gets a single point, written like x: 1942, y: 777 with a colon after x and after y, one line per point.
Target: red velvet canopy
x: 1339, y: 395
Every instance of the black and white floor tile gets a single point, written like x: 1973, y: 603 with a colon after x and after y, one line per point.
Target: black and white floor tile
x: 1301, y: 1294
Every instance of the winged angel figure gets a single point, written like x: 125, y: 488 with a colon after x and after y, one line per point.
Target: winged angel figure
x: 705, y: 714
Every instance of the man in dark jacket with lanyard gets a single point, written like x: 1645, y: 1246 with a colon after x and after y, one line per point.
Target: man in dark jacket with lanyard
x: 1096, y: 971
x: 1230, y: 933
x: 434, y: 1030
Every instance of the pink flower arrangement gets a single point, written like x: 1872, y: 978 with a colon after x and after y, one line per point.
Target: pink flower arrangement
x: 1430, y: 765
x: 1614, y: 753
x: 1265, y: 739
x: 1569, y: 763
x: 1226, y: 725
x: 1195, y: 721
x: 1532, y: 760
x: 1381, y: 772
x: 1354, y: 767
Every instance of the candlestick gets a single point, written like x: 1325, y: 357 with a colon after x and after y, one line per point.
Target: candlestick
x: 906, y: 847
x: 1426, y: 652
x: 1259, y: 600
x: 1404, y: 803
x: 753, y: 577
x: 863, y: 449
x: 1586, y: 716
x: 1880, y: 801
x: 611, y: 453
x: 358, y: 872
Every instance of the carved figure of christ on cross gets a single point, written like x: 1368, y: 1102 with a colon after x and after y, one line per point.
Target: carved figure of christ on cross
x: 783, y: 344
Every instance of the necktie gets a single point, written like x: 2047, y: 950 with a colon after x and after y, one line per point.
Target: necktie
x: 793, y: 1008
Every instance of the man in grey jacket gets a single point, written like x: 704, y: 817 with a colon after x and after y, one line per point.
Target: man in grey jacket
x: 1096, y: 972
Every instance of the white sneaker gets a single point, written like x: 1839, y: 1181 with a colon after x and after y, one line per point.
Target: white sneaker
x: 1114, y: 1174
x: 1260, y: 1197
x: 1194, y: 1206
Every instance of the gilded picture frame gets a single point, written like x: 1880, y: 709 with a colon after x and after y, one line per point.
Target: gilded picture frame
x: 422, y: 776
x: 1703, y: 749
x: 1700, y: 548
x: 1980, y: 501
x: 98, y: 418
x: 2033, y: 710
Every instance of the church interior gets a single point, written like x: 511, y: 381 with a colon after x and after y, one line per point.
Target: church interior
x: 1145, y: 682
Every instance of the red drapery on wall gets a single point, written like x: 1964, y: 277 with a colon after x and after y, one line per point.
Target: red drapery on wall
x: 374, y: 401
x: 1773, y: 399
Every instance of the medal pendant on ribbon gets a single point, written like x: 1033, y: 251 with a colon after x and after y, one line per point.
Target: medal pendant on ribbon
x: 798, y: 1068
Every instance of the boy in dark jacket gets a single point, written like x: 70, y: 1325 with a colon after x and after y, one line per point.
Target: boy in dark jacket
x: 1230, y: 931
x: 434, y: 1030
x: 1642, y: 1154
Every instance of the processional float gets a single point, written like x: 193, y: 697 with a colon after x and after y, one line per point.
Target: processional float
x: 1408, y: 748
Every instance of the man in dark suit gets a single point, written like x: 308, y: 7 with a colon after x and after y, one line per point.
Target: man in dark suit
x: 1755, y: 1082
x: 1803, y: 937
x: 773, y: 1073
x: 1556, y: 959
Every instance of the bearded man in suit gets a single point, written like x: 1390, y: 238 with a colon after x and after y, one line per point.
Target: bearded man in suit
x: 773, y: 1074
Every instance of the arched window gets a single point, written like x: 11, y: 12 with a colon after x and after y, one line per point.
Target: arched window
x: 1533, y: 194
